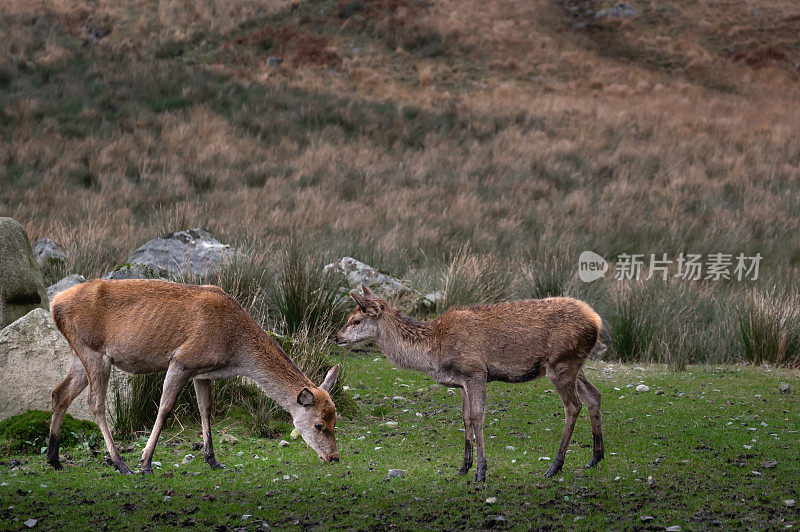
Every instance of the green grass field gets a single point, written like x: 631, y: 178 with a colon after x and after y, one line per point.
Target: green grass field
x: 696, y: 456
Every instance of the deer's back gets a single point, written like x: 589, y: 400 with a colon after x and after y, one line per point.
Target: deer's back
x: 142, y: 324
x: 516, y: 341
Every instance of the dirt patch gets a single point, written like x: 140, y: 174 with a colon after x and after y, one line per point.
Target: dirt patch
x: 304, y: 48
x: 760, y: 57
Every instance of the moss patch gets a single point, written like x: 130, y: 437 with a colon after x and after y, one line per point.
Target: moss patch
x: 30, y: 430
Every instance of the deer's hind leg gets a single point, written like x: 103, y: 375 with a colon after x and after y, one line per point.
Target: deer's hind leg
x: 466, y: 409
x: 98, y: 370
x: 564, y: 378
x: 591, y: 397
x: 71, y: 387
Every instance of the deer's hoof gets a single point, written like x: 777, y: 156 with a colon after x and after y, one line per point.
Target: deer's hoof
x: 555, y: 468
x: 147, y: 470
x: 594, y: 461
x: 464, y: 469
x: 216, y: 465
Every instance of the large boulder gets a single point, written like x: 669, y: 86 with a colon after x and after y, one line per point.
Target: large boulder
x: 193, y: 251
x: 357, y: 273
x: 49, y: 253
x: 34, y: 358
x: 132, y: 271
x: 67, y: 282
x: 21, y: 282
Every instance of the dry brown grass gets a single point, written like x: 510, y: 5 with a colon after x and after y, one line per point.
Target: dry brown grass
x: 495, y: 125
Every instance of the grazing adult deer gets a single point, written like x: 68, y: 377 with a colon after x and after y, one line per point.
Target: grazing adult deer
x: 510, y: 342
x: 192, y: 332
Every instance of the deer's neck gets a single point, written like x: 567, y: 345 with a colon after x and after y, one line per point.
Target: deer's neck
x: 273, y: 370
x: 406, y: 342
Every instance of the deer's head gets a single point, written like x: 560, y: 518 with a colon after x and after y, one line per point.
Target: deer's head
x: 315, y: 417
x: 362, y: 325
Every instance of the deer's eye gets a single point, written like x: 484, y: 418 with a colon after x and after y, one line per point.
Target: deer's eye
x: 318, y: 426
x: 356, y: 322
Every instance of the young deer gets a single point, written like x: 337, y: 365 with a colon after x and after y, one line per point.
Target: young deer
x: 510, y: 342
x: 192, y: 332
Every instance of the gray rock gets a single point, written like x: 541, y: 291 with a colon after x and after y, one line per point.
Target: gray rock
x: 21, y: 282
x: 784, y: 388
x: 789, y: 503
x: 274, y: 61
x: 394, y: 473
x: 646, y: 518
x: 30, y: 523
x: 188, y: 459
x: 428, y: 301
x: 674, y: 528
x: 228, y: 438
x: 132, y: 271
x: 358, y: 273
x: 192, y: 251
x: 769, y: 464
x: 643, y: 388
x: 598, y: 351
x: 283, y: 443
x: 67, y: 282
x: 49, y: 253
x: 622, y: 11
x: 34, y: 358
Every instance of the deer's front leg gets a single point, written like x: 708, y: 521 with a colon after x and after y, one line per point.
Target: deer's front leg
x: 465, y: 467
x: 176, y: 378
x: 202, y: 389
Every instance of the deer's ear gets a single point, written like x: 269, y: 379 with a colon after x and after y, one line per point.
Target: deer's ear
x: 330, y: 379
x: 305, y: 397
x: 360, y: 300
x: 370, y: 307
x: 369, y: 294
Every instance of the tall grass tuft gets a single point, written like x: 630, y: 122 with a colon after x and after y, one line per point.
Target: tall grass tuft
x: 305, y: 298
x: 470, y: 279
x: 548, y: 275
x: 769, y: 328
x: 673, y: 323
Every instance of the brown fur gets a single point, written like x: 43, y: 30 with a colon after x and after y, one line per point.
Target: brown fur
x: 192, y: 332
x: 511, y: 342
